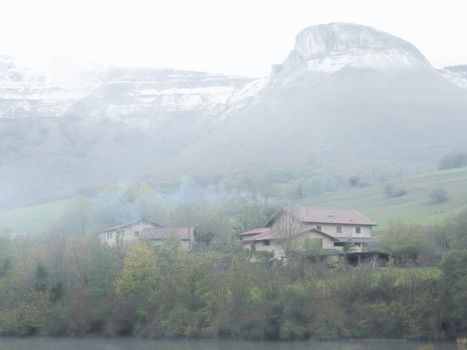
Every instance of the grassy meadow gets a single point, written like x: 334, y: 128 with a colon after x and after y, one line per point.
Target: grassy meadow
x: 414, y: 206
x: 36, y: 218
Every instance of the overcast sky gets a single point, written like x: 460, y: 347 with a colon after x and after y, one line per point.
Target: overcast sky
x: 242, y: 37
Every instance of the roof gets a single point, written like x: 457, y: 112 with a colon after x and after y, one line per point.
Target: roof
x: 255, y: 231
x: 325, y: 216
x: 162, y: 233
x: 314, y: 229
x: 267, y: 235
x: 130, y: 223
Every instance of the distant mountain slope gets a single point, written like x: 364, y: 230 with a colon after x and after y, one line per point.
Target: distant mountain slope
x: 347, y: 95
x: 347, y: 100
x: 143, y: 97
x: 59, y: 88
x: 66, y: 127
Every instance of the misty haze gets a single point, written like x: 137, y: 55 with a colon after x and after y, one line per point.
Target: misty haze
x: 323, y: 203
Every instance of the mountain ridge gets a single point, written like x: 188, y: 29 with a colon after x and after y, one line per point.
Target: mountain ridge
x: 397, y: 115
x: 347, y: 100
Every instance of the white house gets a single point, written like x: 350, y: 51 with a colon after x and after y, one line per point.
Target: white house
x: 150, y: 231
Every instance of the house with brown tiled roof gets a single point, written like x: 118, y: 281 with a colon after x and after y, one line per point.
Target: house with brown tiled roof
x: 333, y: 230
x: 150, y: 231
x: 157, y: 236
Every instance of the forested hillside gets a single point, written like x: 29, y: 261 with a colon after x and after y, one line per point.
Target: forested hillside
x: 68, y: 285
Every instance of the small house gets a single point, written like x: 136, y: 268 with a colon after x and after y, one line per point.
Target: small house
x: 150, y: 231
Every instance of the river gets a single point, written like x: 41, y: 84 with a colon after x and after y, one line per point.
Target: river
x: 138, y: 344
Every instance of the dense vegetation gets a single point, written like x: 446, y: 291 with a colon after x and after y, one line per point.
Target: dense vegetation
x: 68, y: 283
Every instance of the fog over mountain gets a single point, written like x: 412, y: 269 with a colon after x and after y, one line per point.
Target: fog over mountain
x: 457, y: 74
x: 346, y: 93
x: 347, y: 100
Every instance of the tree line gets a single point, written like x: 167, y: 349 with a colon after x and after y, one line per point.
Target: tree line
x: 72, y: 284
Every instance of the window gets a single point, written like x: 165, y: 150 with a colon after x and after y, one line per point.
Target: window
x: 319, y: 228
x: 136, y: 233
x: 266, y: 242
x: 109, y: 235
x: 338, y: 229
x: 358, y: 229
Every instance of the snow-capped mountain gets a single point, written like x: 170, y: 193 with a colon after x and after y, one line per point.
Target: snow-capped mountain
x: 133, y: 96
x: 456, y: 74
x: 43, y: 88
x: 329, y: 48
x: 66, y: 124
x: 346, y: 94
x: 146, y: 97
x: 347, y: 39
x: 347, y: 100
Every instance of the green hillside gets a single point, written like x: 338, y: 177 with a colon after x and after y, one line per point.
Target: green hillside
x: 414, y: 206
x: 33, y: 219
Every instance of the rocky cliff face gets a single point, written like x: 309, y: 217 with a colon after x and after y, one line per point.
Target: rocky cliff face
x: 325, y: 39
x: 131, y: 96
x: 43, y: 89
x: 456, y: 74
x: 330, y: 48
x: 149, y: 96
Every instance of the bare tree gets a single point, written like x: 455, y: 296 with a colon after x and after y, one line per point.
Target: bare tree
x: 285, y: 230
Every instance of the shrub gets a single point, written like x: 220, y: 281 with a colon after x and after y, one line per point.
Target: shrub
x: 404, y: 242
x: 453, y: 160
x: 438, y: 195
x: 393, y: 191
x: 357, y: 181
x: 455, y: 230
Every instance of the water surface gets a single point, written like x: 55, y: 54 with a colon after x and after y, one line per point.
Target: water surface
x: 139, y: 344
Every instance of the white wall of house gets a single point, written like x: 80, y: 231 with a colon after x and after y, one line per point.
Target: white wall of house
x: 273, y: 246
x: 326, y: 242
x: 286, y: 224
x: 346, y: 231
x: 125, y: 235
x: 297, y: 242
